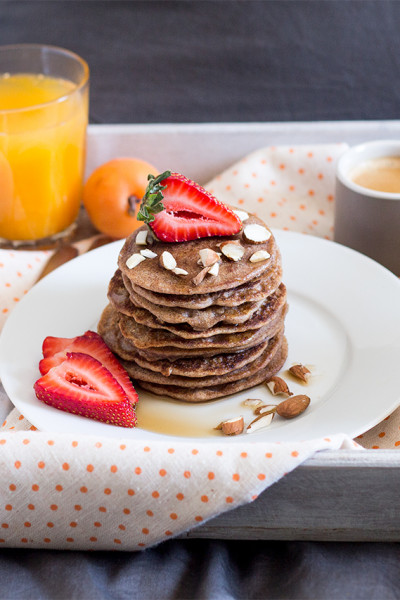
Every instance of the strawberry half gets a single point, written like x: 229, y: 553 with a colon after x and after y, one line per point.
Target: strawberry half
x: 178, y: 210
x: 90, y: 343
x: 51, y: 345
x: 82, y: 385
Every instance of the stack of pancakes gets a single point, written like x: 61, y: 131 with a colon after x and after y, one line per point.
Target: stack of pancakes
x: 197, y: 342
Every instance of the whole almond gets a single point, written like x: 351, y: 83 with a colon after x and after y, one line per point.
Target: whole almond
x: 293, y: 407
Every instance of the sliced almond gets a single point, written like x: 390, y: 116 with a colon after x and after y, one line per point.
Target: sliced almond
x: 200, y: 276
x: 265, y: 409
x: 256, y: 233
x: 148, y: 253
x: 141, y: 238
x: 214, y: 270
x: 301, y: 372
x: 180, y: 272
x: 134, y: 260
x: 232, y: 250
x: 232, y: 426
x: 277, y: 386
x: 167, y: 261
x: 260, y: 422
x: 208, y: 257
x: 293, y: 407
x: 259, y: 256
x: 252, y: 402
x: 242, y: 214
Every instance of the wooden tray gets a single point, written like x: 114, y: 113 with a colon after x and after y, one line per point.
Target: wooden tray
x: 341, y: 495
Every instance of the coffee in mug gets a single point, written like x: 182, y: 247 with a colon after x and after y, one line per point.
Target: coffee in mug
x: 381, y: 174
x: 367, y: 202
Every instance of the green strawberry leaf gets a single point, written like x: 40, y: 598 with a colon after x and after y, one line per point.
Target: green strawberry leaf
x: 153, y: 197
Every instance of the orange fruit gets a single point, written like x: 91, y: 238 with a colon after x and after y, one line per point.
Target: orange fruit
x: 113, y: 193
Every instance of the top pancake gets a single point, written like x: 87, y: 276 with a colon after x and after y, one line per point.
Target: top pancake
x: 151, y: 276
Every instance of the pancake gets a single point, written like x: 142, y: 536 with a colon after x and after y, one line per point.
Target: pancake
x: 219, y: 391
x: 149, y: 275
x: 202, y: 366
x: 253, y: 291
x: 188, y: 380
x: 145, y: 337
x: 195, y: 318
x: 197, y: 343
x: 259, y: 318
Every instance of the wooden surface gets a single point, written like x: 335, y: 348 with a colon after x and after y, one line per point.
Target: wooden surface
x: 336, y: 496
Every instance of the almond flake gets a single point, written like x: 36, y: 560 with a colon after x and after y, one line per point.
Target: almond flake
x: 301, y: 372
x: 259, y: 256
x: 148, y: 253
x: 208, y: 257
x: 233, y: 426
x: 277, y: 386
x: 232, y: 250
x: 256, y: 233
x: 260, y: 422
x: 200, y: 276
x: 243, y: 216
x: 214, y: 270
x: 134, y: 260
x: 180, y: 272
x: 266, y: 408
x: 141, y: 238
x: 252, y: 402
x: 167, y: 261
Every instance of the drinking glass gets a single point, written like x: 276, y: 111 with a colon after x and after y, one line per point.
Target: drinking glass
x: 44, y: 96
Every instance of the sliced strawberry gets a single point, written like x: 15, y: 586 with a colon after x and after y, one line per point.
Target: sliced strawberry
x: 83, y: 386
x: 52, y: 345
x: 178, y: 209
x: 90, y: 343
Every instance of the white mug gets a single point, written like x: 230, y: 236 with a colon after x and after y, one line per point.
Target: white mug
x: 368, y: 220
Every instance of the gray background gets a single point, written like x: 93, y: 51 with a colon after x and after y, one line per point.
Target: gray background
x: 214, y: 61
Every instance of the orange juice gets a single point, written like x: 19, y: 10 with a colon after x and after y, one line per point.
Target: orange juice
x: 43, y: 124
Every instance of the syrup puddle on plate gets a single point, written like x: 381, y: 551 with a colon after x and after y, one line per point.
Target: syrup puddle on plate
x: 315, y: 338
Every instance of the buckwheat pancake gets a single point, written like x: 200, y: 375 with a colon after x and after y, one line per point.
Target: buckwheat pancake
x: 219, y: 391
x: 145, y: 337
x: 189, y: 380
x: 202, y: 366
x: 150, y: 276
x: 269, y: 310
x: 197, y: 342
x: 195, y: 318
x: 256, y: 319
x: 109, y: 330
x: 253, y: 291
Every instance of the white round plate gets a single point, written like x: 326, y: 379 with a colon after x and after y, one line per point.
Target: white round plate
x: 343, y: 322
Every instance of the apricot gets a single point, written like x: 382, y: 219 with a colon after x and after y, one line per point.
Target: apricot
x: 113, y: 193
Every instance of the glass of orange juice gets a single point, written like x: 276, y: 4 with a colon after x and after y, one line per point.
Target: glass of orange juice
x: 44, y: 95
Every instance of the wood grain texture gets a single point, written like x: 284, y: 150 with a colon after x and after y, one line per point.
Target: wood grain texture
x: 333, y: 497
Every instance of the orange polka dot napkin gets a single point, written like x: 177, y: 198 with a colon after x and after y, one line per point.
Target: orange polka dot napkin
x: 289, y: 187
x: 66, y: 492
x: 81, y: 492
x: 19, y: 270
